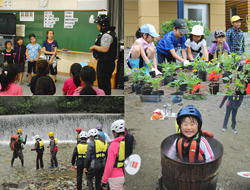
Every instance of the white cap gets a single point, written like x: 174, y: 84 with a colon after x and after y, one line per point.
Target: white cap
x: 198, y: 30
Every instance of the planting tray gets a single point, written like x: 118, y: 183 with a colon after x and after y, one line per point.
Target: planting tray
x: 150, y: 98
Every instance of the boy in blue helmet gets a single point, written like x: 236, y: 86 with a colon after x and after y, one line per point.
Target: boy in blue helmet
x: 191, y: 145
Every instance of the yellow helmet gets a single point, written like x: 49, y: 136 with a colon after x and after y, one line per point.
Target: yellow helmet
x: 19, y: 130
x: 51, y: 134
x: 235, y: 18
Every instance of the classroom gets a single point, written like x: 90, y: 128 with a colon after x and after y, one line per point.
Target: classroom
x: 73, y: 30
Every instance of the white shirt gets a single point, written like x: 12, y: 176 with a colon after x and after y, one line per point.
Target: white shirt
x: 196, y: 46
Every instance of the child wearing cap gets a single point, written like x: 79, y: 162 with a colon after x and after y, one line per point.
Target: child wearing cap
x: 235, y: 36
x: 142, y: 52
x: 168, y: 46
x: 191, y: 144
x: 219, y: 46
x: 196, y: 44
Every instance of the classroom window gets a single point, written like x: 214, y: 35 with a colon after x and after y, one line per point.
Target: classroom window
x: 197, y: 12
x: 233, y: 11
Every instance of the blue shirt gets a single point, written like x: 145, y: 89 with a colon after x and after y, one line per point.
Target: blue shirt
x: 50, y: 46
x: 236, y: 40
x: 33, y: 50
x: 169, y: 41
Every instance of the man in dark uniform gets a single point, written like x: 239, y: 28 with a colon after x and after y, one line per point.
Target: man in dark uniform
x: 105, y: 51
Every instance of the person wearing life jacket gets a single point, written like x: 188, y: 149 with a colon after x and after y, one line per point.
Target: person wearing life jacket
x: 53, y: 149
x: 78, y: 131
x: 99, y: 127
x: 17, y: 145
x: 114, y: 168
x: 105, y: 52
x: 39, y: 148
x: 191, y: 145
x: 95, y: 161
x: 79, y: 156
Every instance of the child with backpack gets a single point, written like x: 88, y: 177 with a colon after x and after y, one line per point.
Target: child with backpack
x: 39, y: 148
x: 143, y: 51
x: 191, y: 145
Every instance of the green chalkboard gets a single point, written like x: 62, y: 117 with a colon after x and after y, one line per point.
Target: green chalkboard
x: 79, y: 38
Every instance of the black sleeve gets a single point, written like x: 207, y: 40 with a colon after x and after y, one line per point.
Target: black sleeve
x: 223, y: 101
x: 74, y: 155
x: 54, y: 87
x: 33, y: 84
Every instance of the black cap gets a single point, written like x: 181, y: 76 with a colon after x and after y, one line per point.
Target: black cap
x: 181, y: 25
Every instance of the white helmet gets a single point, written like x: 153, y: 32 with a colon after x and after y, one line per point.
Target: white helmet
x: 93, y: 132
x: 36, y: 137
x: 198, y: 30
x: 118, y: 126
x: 83, y: 134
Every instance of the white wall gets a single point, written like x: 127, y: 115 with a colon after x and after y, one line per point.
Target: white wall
x: 59, y: 4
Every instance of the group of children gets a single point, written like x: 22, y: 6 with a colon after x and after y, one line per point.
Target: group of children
x: 175, y: 47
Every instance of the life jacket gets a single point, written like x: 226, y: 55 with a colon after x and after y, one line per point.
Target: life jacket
x: 82, y: 150
x: 119, y: 163
x: 100, y: 149
x: 55, y: 149
x: 189, y: 150
x: 41, y: 145
x: 112, y: 53
x: 13, y: 142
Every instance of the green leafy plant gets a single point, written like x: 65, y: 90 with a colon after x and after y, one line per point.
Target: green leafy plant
x: 139, y: 76
x: 156, y: 82
x: 180, y: 80
x: 191, y: 81
x: 169, y: 69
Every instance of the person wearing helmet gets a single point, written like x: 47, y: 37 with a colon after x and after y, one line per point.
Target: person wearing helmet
x: 172, y: 42
x: 191, y: 145
x: 143, y: 51
x: 53, y: 149
x: 114, y: 168
x: 39, y: 148
x: 79, y: 157
x: 106, y: 137
x: 95, y: 161
x: 219, y: 45
x: 78, y: 131
x: 196, y: 44
x: 105, y: 52
x: 235, y: 36
x: 18, y: 146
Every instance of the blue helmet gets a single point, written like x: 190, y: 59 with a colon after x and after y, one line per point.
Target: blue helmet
x: 189, y: 110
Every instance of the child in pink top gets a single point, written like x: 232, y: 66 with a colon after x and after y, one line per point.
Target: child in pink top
x: 7, y: 79
x: 87, y: 77
x: 72, y: 83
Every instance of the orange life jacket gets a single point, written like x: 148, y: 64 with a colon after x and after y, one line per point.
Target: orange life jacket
x: 189, y: 151
x: 13, y: 142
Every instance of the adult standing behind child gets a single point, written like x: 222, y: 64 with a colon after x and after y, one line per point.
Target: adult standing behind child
x: 8, y: 53
x: 196, y: 44
x: 20, y: 57
x: 50, y: 47
x: 168, y: 46
x: 33, y: 53
x: 235, y: 36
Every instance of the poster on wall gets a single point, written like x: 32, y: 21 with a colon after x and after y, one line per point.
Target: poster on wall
x: 69, y: 20
x: 49, y: 19
x: 27, y: 16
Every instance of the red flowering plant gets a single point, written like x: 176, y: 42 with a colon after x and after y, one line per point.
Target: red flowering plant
x: 213, y: 77
x: 248, y: 89
x: 196, y: 88
x: 248, y: 61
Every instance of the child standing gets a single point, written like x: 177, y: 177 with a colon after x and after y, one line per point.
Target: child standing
x: 33, y: 53
x: 39, y: 148
x: 219, y: 46
x: 9, y: 53
x: 73, y: 82
x: 143, y: 51
x: 235, y: 36
x: 7, y: 82
x: 20, y: 51
x: 88, y: 76
x: 197, y: 45
x: 53, y: 149
x: 50, y: 50
x: 173, y: 41
x: 191, y: 146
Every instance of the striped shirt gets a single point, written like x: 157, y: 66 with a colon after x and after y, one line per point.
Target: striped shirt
x: 205, y: 149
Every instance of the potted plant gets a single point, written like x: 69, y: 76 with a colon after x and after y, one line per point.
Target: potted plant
x: 156, y: 84
x: 138, y: 78
x: 214, y: 85
x: 199, y: 68
x: 169, y: 71
x: 192, y: 81
x: 197, y: 88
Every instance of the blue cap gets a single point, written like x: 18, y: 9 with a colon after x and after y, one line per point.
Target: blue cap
x: 149, y: 29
